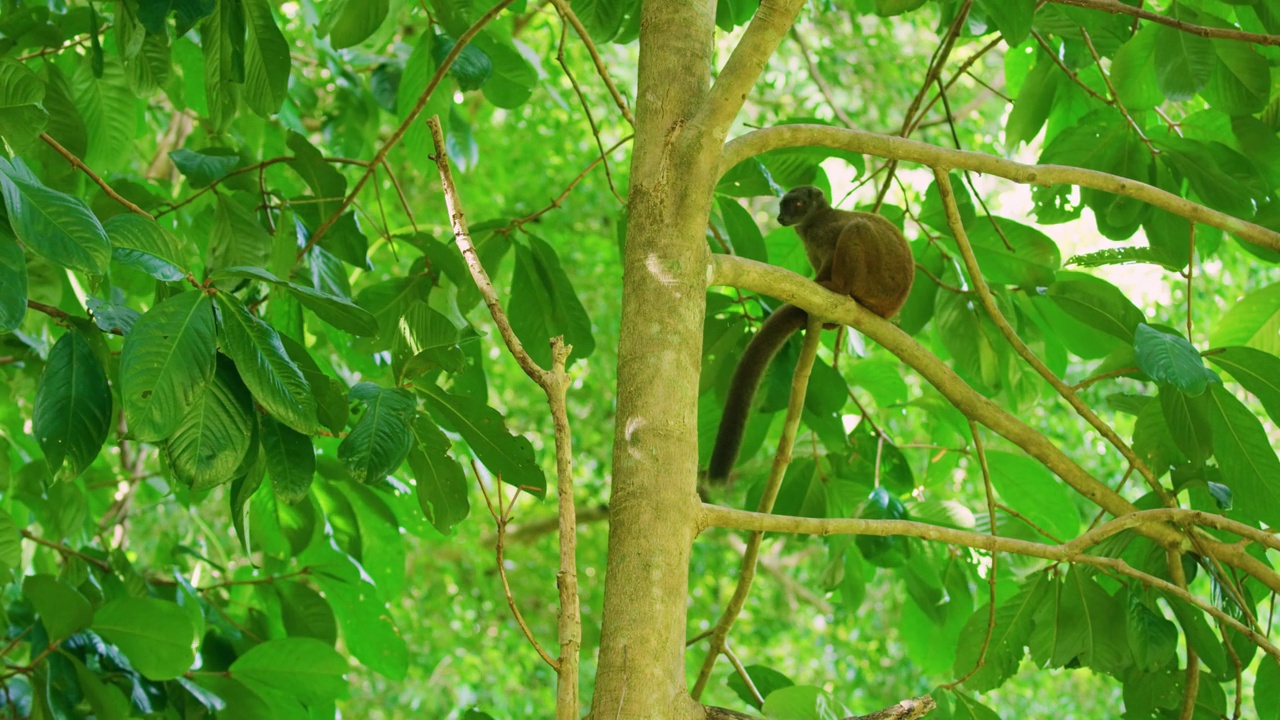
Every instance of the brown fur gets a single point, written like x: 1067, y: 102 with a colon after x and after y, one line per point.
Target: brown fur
x: 852, y: 253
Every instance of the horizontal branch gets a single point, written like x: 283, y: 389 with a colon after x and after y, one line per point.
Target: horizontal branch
x: 896, y: 148
x: 1073, y: 552
x: 1118, y: 8
x: 793, y: 288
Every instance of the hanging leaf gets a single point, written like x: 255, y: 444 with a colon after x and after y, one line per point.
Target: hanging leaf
x: 380, y: 439
x: 141, y: 243
x: 1168, y: 358
x: 302, y: 667
x: 58, y: 227
x: 157, y: 636
x: 21, y: 92
x: 544, y: 304
x: 204, y: 167
x: 441, y: 483
x: 62, y: 609
x: 166, y: 361
x: 266, y: 60
x: 73, y: 406
x: 209, y: 444
x: 504, y: 454
x: 290, y: 458
x: 275, y: 381
x: 350, y: 22
x: 1096, y: 303
x: 1245, y: 456
x: 13, y: 282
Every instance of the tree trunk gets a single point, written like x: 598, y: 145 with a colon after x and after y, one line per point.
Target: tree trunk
x: 653, y: 508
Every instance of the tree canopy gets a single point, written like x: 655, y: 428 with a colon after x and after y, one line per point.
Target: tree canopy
x: 363, y: 357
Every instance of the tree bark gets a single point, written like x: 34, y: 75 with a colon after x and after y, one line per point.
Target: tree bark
x: 654, y: 505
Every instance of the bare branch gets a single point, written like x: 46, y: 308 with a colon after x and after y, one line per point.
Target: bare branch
x: 1118, y: 8
x: 79, y: 165
x: 888, y: 146
x: 567, y: 13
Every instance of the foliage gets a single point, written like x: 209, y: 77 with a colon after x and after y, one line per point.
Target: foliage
x: 254, y: 382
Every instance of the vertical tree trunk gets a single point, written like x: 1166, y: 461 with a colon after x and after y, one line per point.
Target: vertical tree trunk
x: 653, y: 508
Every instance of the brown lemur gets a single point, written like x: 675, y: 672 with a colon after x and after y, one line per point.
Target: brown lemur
x: 853, y: 253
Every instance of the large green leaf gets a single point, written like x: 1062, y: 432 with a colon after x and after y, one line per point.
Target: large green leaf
x: 338, y: 311
x: 1241, y: 80
x: 1245, y: 456
x: 61, y: 608
x: 513, y: 77
x: 1168, y: 358
x: 1096, y: 303
x: 10, y: 543
x: 1256, y: 371
x: 291, y: 460
x: 13, y: 281
x: 238, y: 239
x: 601, y: 18
x: 1029, y: 259
x: 166, y: 361
x: 306, y: 613
x: 367, y: 629
x: 1253, y: 320
x: 1133, y: 71
x: 300, y: 666
x: 1031, y: 107
x: 1079, y: 623
x: 109, y: 109
x: 1008, y: 644
x: 506, y: 455
x: 21, y: 92
x: 73, y: 406
x: 387, y: 301
x: 442, y: 485
x: 331, y: 395
x: 1027, y: 487
x: 275, y: 381
x: 544, y: 304
x: 266, y: 60
x: 381, y: 438
x: 56, y: 226
x: 425, y: 339
x: 141, y: 243
x: 157, y: 636
x: 349, y: 22
x: 222, y: 40
x: 203, y: 167
x: 210, y: 442
x: 1012, y: 17
x: 1184, y: 63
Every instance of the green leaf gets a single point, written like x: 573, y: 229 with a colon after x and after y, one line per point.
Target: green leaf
x: 1012, y: 17
x: 601, y: 18
x: 337, y: 311
x: 472, y: 68
x: 544, y: 304
x: 1027, y: 487
x: 1096, y: 303
x: 1168, y: 358
x: 238, y: 239
x: 1245, y: 456
x: 157, y: 636
x: 209, y: 445
x: 222, y: 40
x: 141, y: 243
x: 306, y: 613
x: 1266, y: 690
x: 426, y: 340
x: 21, y: 92
x: 387, y: 301
x: 743, y: 233
x: 166, y: 361
x: 1253, y: 320
x: 367, y: 629
x: 1256, y: 371
x: 62, y: 609
x: 109, y: 109
x: 1079, y: 623
x: 304, y: 667
x: 513, y: 77
x: 1133, y: 70
x: 1187, y: 419
x: 1031, y: 262
x: 13, y: 281
x: 56, y: 226
x: 331, y: 395
x: 10, y: 543
x: 1184, y: 63
x: 441, y: 483
x: 381, y: 438
x: 349, y: 22
x: 204, y: 167
x: 275, y: 381
x: 764, y: 678
x: 291, y: 460
x: 507, y: 456
x: 1031, y: 107
x: 266, y: 60
x: 1152, y: 639
x: 1103, y: 141
x: 72, y: 411
x: 1007, y: 647
x: 1241, y: 80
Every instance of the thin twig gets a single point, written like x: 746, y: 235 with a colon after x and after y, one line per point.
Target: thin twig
x: 521, y: 222
x: 1118, y: 8
x: 381, y: 156
x: 567, y: 13
x: 586, y: 109
x: 79, y: 165
x: 1115, y: 96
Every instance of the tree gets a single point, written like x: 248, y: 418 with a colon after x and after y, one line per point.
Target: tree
x: 277, y: 287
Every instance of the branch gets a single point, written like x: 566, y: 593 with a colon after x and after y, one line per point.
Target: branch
x: 555, y: 384
x: 1072, y: 552
x: 1011, y: 336
x: 790, y: 287
x: 1117, y: 8
x: 567, y: 13
x: 888, y: 146
x: 781, y: 459
x: 79, y: 165
x: 381, y: 156
x: 752, y: 53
